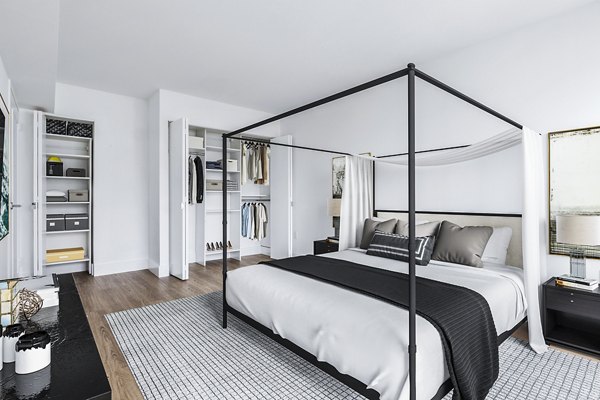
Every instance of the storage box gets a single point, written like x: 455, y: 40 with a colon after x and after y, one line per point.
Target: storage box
x: 55, y: 222
x: 213, y: 184
x: 54, y: 168
x: 77, y: 222
x: 195, y: 142
x: 79, y: 172
x: 59, y: 255
x: 80, y: 129
x: 56, y: 126
x: 79, y: 195
x: 232, y: 165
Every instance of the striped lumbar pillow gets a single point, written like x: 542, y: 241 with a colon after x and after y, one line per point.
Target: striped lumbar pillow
x: 392, y: 245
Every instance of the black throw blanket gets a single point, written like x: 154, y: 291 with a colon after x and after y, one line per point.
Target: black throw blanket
x: 462, y: 316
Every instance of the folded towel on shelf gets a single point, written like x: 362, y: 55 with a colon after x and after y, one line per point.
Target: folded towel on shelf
x: 56, y: 196
x: 213, y: 165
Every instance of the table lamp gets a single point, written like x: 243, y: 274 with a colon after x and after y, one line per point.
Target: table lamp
x: 578, y: 230
x: 334, y: 208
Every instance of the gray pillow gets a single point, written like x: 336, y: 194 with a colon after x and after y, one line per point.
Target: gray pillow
x: 422, y: 229
x: 371, y: 225
x: 461, y: 245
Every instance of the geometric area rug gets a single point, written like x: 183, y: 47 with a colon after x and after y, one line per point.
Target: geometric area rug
x: 178, y: 350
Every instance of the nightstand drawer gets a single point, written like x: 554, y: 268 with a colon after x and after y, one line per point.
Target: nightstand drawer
x: 573, y: 302
x: 324, y: 246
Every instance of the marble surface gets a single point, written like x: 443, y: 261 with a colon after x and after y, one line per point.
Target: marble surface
x: 76, y: 371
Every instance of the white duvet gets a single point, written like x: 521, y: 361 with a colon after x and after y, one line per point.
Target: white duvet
x: 359, y: 335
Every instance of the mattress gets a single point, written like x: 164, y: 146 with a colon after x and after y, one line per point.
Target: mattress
x: 362, y: 336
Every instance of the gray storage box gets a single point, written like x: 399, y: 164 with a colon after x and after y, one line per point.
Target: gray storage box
x: 79, y: 195
x: 77, y: 172
x: 55, y: 222
x: 77, y: 222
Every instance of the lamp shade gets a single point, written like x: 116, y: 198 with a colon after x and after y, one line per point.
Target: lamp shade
x: 583, y: 230
x: 334, y: 207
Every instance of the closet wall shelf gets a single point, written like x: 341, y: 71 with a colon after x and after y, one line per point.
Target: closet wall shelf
x: 66, y: 262
x: 62, y: 155
x: 219, y: 211
x: 220, y: 191
x: 86, y: 178
x: 67, y: 138
x: 59, y: 232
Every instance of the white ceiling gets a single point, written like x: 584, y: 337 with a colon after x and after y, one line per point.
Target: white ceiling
x: 264, y: 54
x: 28, y: 48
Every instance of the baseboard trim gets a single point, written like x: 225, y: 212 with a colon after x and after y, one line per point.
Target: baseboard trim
x: 117, y: 267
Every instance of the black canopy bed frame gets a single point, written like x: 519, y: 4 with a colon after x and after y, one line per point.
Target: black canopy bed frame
x: 411, y: 72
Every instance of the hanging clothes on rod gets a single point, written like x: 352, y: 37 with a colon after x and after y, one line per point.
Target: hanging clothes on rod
x: 255, y: 162
x: 254, y: 221
x: 195, y: 179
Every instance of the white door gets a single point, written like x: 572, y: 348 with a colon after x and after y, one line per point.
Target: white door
x: 178, y: 178
x: 39, y: 193
x: 281, y: 198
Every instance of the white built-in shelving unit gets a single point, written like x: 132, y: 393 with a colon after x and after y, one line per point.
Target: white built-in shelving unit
x: 75, y: 152
x: 193, y: 226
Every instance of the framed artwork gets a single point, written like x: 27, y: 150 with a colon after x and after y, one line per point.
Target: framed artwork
x: 338, y: 170
x: 573, y: 181
x: 4, y: 170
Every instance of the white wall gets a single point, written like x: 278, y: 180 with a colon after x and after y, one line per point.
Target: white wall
x: 200, y: 112
x: 544, y: 76
x: 120, y: 174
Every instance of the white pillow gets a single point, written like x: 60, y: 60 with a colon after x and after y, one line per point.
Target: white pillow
x: 497, y: 247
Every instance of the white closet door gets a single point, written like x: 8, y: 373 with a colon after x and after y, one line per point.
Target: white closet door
x: 280, y: 219
x: 178, y: 188
x: 39, y: 193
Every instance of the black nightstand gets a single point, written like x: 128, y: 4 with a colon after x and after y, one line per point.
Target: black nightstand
x: 324, y: 246
x: 572, y: 317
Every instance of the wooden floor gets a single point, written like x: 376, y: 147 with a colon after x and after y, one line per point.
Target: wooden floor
x: 106, y: 294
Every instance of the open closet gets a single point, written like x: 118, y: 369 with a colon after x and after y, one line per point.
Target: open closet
x: 196, y: 198
x: 256, y: 197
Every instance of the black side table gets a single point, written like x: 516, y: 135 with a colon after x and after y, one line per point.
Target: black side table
x: 324, y: 246
x: 572, y: 317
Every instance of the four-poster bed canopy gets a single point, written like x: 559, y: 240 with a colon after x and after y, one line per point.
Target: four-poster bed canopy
x: 453, y: 154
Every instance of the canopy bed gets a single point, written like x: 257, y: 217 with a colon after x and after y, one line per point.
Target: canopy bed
x: 311, y: 304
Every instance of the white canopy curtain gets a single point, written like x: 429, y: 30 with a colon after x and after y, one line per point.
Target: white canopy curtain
x: 357, y: 195
x: 357, y: 200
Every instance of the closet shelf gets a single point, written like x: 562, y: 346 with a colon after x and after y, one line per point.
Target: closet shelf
x: 219, y: 211
x: 62, y: 203
x: 221, y: 149
x: 67, y: 138
x: 66, y: 262
x: 85, y: 178
x: 220, y: 170
x: 59, y: 232
x: 210, y: 253
x: 62, y: 155
x: 220, y: 191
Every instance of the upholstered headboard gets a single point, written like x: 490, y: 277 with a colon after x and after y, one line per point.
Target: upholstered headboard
x: 515, y: 249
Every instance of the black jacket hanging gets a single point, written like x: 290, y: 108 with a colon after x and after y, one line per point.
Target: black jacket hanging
x: 200, y: 180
